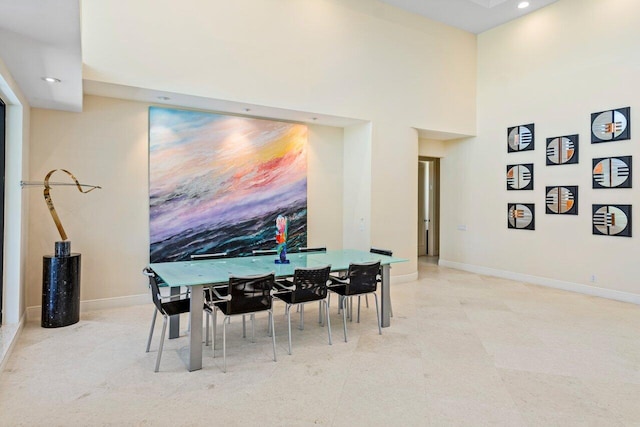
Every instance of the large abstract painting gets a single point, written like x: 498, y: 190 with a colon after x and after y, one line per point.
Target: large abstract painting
x: 217, y: 183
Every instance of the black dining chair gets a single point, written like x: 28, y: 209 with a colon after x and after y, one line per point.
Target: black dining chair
x: 309, y: 285
x: 243, y: 296
x: 378, y: 251
x: 361, y: 279
x: 174, y: 305
x: 305, y: 249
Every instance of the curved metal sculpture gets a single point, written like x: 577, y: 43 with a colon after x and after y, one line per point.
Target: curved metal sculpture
x: 47, y: 197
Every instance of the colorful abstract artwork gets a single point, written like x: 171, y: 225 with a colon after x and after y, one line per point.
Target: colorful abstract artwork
x: 217, y: 183
x: 520, y: 138
x: 611, y: 125
x: 562, y: 150
x: 612, y: 220
x: 612, y: 172
x: 562, y: 200
x: 521, y: 216
x: 520, y: 177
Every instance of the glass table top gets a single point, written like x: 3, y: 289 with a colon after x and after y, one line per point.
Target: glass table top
x: 203, y: 272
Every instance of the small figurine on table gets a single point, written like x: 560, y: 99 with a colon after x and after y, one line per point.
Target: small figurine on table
x: 281, y: 239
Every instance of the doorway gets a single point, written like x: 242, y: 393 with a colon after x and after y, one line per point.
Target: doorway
x: 2, y: 149
x: 429, y: 207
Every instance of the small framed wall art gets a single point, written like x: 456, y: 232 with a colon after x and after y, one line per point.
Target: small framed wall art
x: 521, y: 216
x: 612, y: 172
x: 562, y: 150
x: 612, y: 220
x: 562, y: 200
x: 611, y: 125
x: 521, y: 138
x: 520, y: 177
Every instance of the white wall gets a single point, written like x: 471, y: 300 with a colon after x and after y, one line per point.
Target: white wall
x: 107, y: 145
x: 554, y: 68
x: 16, y: 206
x: 360, y: 59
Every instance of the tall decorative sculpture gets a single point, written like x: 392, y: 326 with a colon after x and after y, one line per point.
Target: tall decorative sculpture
x: 281, y: 239
x: 61, y: 271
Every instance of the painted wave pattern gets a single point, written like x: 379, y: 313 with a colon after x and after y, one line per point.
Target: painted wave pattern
x: 217, y: 183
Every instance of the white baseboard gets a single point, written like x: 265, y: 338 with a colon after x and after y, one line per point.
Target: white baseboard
x: 4, y: 357
x: 35, y: 313
x: 543, y: 281
x: 404, y: 278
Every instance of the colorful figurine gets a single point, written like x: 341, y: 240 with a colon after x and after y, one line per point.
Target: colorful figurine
x: 281, y: 239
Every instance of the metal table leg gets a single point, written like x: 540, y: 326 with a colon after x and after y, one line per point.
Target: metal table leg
x: 195, y: 337
x: 174, y: 321
x: 385, y: 297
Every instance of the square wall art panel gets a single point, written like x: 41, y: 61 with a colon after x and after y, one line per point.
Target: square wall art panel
x: 520, y: 138
x: 521, y: 216
x: 217, y: 183
x: 562, y: 150
x: 612, y: 172
x: 612, y: 220
x: 520, y: 177
x: 562, y: 200
x: 611, y: 125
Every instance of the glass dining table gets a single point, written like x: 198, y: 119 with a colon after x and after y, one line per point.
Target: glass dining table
x: 197, y: 274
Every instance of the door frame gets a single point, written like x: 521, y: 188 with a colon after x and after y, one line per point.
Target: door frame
x: 3, y: 118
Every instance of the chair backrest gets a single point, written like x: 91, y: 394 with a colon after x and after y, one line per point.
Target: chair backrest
x: 379, y: 251
x: 316, y: 249
x: 363, y: 277
x: 311, y: 284
x: 200, y: 257
x: 250, y: 293
x: 153, y: 285
x: 264, y: 252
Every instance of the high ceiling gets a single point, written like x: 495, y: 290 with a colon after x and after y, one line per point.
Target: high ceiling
x: 40, y: 38
x: 474, y: 16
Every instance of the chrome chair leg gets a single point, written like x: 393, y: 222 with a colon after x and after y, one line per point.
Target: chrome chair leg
x: 288, y: 313
x: 164, y: 330
x: 301, y: 327
x: 375, y: 296
x: 153, y: 324
x: 253, y: 327
x: 273, y: 335
x: 326, y: 310
x: 206, y: 339
x: 244, y: 327
x: 344, y: 316
x: 320, y: 312
x: 224, y: 344
x: 358, y: 321
x: 215, y: 327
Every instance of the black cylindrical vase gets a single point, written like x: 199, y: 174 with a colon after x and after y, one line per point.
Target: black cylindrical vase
x: 60, y: 290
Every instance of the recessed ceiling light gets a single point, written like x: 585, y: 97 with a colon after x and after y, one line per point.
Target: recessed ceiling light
x: 163, y: 98
x: 247, y: 109
x: 51, y: 80
x: 523, y: 4
x: 314, y: 118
